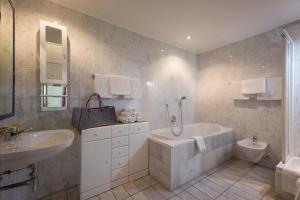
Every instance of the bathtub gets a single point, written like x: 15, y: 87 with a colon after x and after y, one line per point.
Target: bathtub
x: 175, y: 160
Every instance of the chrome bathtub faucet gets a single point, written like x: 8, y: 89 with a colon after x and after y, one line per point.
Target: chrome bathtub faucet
x: 254, y: 139
x: 173, y: 120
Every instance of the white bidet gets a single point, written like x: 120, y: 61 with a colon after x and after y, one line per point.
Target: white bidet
x: 253, y: 151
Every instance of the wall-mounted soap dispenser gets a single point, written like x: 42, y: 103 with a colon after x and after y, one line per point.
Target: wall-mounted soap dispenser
x: 53, y: 66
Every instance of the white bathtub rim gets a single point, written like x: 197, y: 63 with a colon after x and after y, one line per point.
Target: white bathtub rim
x: 182, y: 141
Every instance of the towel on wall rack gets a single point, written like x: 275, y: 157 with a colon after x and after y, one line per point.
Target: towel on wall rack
x: 254, y: 86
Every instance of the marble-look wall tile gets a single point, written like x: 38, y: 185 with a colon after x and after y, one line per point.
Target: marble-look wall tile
x: 95, y: 47
x: 259, y: 56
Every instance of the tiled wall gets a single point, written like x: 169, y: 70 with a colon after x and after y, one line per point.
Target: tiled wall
x: 94, y: 47
x: 259, y: 56
x: 294, y: 31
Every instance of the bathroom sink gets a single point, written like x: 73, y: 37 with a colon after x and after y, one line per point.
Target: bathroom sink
x: 31, y: 147
x: 253, y: 152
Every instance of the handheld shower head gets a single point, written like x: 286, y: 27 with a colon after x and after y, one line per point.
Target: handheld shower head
x: 181, y: 99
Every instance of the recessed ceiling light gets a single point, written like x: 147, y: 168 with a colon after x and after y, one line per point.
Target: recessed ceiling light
x: 188, y: 37
x: 162, y: 50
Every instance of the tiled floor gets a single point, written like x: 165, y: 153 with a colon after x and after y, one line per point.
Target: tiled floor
x: 234, y: 180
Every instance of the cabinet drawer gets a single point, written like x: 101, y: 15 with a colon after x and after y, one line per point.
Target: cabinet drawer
x: 119, y: 152
x: 138, y: 128
x: 119, y: 130
x: 119, y: 162
x: 119, y: 173
x: 119, y: 141
x: 99, y: 133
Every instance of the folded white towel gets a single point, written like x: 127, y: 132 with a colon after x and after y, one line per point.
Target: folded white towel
x: 236, y: 91
x: 200, y: 143
x: 119, y: 85
x: 273, y: 91
x: 254, y: 86
x: 101, y: 85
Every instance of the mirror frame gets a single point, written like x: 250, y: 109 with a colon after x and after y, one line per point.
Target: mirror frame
x: 8, y: 115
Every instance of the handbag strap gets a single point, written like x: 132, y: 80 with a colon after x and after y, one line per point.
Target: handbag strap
x: 87, y: 105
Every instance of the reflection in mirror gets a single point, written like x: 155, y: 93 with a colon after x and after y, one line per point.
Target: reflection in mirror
x: 6, y: 59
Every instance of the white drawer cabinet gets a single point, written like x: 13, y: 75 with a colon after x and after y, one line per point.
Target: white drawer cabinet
x: 95, y: 164
x: 96, y: 134
x: 138, y: 128
x: 138, y: 149
x: 119, y: 163
x: 119, y: 141
x: 119, y: 152
x: 111, y: 156
x: 119, y: 173
x: 119, y: 130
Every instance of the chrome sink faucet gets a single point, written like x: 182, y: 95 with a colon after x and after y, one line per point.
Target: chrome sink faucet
x: 10, y: 133
x: 254, y: 139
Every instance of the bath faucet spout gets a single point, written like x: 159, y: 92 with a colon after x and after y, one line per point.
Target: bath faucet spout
x: 254, y: 139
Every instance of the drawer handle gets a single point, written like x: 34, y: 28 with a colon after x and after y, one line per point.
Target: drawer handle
x: 95, y: 134
x: 138, y: 128
x: 120, y: 131
x: 119, y: 153
x: 120, y: 141
x: 106, y: 162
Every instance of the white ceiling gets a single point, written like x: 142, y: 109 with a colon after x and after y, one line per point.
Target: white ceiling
x: 211, y: 23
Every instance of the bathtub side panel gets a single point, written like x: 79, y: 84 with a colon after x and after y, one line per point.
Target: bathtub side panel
x: 188, y: 163
x: 160, y: 162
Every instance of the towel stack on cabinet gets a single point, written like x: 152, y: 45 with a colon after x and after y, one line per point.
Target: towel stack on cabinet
x: 111, y: 156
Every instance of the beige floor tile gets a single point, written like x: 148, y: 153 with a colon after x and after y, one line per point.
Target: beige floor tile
x: 95, y: 198
x: 210, y: 188
x: 185, y: 186
x: 222, y: 198
x: 186, y: 196
x: 139, y: 196
x: 141, y: 184
x: 244, y: 193
x: 165, y: 193
x: 150, y: 180
x: 198, y: 194
x: 107, y: 196
x: 120, y: 193
x: 178, y: 190
x: 255, y: 184
x: 131, y: 188
x: 224, y: 183
x: 231, y: 196
x: 175, y: 198
x: 199, y: 178
x: 152, y: 194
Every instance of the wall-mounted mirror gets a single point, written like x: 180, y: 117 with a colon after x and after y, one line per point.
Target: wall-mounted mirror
x: 7, y: 59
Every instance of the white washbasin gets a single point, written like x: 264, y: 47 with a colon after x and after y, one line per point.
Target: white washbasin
x: 31, y: 147
x: 253, y: 152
